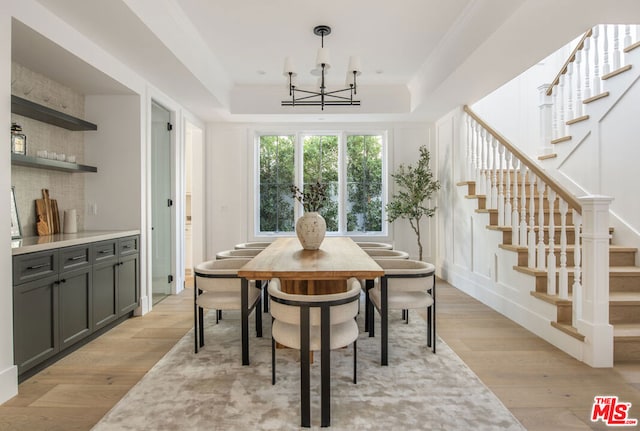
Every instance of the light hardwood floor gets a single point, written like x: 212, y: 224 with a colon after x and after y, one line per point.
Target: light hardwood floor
x: 543, y: 387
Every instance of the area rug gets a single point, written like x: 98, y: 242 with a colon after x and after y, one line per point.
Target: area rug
x: 211, y: 390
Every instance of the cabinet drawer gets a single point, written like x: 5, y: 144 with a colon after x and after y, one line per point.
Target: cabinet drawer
x: 74, y: 257
x: 104, y: 250
x: 128, y: 245
x: 34, y: 266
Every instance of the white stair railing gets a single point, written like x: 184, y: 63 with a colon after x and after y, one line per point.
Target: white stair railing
x: 598, y: 53
x: 501, y: 162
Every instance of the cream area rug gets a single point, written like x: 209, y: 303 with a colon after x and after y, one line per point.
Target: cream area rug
x: 211, y: 390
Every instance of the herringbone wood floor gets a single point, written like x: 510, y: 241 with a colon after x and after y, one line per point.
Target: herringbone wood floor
x: 543, y: 387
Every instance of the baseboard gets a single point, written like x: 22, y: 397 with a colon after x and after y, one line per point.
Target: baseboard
x: 8, y: 383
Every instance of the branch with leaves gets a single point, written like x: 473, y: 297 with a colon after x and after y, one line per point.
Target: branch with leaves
x: 416, y: 186
x: 312, y: 198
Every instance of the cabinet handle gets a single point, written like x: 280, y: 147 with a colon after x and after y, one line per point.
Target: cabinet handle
x: 105, y: 251
x: 126, y: 246
x: 77, y: 257
x: 64, y: 280
x: 44, y: 265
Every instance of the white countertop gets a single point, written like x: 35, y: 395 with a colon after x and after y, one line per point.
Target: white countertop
x: 32, y: 244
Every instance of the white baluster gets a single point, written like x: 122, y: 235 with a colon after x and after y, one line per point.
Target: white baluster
x: 551, y: 256
x: 469, y: 149
x: 554, y: 113
x: 501, y: 194
x: 562, y: 126
x: 616, y: 48
x: 627, y: 37
x: 596, y: 62
x: 507, y: 195
x: 515, y: 218
x: 563, y: 275
x: 587, y: 69
x: 494, y: 179
x: 606, y: 67
x: 578, y: 85
x: 478, y: 150
x: 541, y: 247
x: 488, y: 157
x: 531, y: 240
x: 576, y: 287
x: 568, y: 85
x: 523, y: 208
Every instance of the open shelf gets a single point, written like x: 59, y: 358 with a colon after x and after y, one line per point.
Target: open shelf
x: 39, y: 112
x: 57, y: 165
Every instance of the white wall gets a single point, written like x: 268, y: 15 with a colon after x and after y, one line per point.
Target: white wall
x: 229, y: 180
x: 8, y: 371
x: 114, y: 148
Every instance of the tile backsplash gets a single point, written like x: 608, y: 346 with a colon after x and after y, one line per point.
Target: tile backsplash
x: 66, y: 188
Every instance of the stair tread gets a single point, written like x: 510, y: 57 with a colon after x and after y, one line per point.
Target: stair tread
x: 616, y: 270
x: 625, y: 270
x: 625, y: 297
x: 626, y: 330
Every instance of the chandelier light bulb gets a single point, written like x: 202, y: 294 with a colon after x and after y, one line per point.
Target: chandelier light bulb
x: 289, y: 67
x: 354, y: 65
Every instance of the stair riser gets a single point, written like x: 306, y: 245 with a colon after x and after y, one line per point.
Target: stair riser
x: 541, y: 283
x: 626, y: 350
x: 626, y: 258
x: 624, y: 313
x: 626, y: 283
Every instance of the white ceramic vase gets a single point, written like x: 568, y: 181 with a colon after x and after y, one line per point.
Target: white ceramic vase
x: 311, y: 229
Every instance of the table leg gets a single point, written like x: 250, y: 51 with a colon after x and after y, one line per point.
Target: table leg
x: 244, y: 305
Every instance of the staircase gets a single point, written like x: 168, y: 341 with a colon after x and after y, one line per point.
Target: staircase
x: 624, y: 278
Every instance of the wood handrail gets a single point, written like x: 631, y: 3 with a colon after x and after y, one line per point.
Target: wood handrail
x: 567, y: 196
x: 571, y: 58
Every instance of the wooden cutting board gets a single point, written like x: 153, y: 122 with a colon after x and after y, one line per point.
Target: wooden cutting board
x: 56, y: 216
x: 42, y: 225
x: 47, y: 214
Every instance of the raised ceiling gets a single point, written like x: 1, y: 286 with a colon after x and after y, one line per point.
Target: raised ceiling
x: 223, y: 59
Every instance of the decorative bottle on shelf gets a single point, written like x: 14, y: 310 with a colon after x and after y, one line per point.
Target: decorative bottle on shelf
x: 18, y: 140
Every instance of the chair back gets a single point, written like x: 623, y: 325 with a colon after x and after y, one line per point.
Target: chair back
x: 286, y: 306
x: 254, y: 244
x: 407, y: 275
x: 241, y: 253
x: 219, y: 275
x: 378, y: 245
x: 383, y: 253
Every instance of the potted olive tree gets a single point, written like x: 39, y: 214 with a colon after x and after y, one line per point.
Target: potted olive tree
x: 416, y: 186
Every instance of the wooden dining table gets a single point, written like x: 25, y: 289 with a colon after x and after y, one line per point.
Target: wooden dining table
x: 309, y: 272
x: 303, y: 271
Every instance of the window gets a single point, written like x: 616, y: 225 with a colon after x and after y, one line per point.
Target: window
x: 352, y: 165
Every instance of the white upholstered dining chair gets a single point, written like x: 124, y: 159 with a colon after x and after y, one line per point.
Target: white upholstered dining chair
x: 218, y: 287
x: 406, y: 285
x: 310, y: 323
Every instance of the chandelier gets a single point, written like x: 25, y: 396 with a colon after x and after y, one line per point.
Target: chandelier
x: 322, y: 98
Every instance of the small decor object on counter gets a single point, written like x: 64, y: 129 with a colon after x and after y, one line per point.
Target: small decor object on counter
x: 18, y: 140
x: 16, y: 229
x: 70, y: 221
x: 311, y: 227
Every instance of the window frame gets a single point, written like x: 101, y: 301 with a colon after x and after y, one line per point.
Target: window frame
x: 342, y: 136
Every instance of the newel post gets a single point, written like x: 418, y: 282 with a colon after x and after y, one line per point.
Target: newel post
x: 594, y: 322
x: 546, y: 126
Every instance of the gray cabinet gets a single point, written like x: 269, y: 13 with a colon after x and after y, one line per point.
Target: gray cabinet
x: 128, y: 275
x: 64, y: 295
x: 105, y: 270
x: 74, y: 295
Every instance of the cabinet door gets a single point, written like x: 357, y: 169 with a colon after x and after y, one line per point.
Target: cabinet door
x: 35, y: 322
x: 105, y: 300
x: 128, y: 276
x: 75, y: 306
